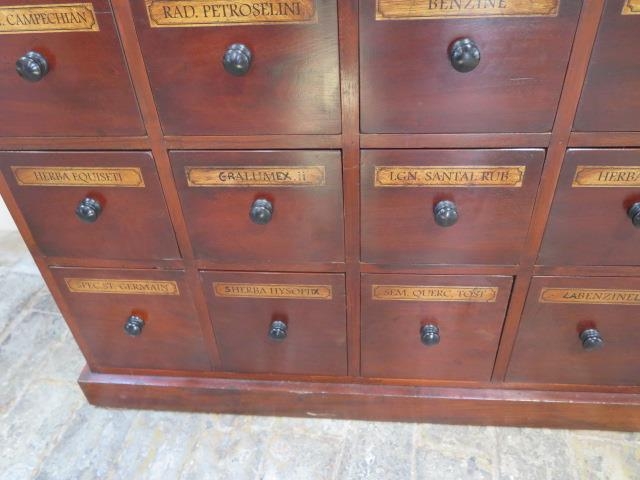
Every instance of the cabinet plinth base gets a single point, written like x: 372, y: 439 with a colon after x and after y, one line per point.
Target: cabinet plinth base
x: 501, y: 407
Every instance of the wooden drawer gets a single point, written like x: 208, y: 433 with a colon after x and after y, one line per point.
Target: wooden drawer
x: 133, y: 222
x: 591, y: 217
x: 103, y: 304
x: 491, y: 191
x: 291, y: 87
x: 226, y: 198
x: 86, y: 90
x: 408, y: 83
x: 610, y: 98
x: 432, y: 327
x: 279, y: 323
x: 564, y: 321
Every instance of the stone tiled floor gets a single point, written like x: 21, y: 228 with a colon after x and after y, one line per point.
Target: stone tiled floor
x: 48, y: 431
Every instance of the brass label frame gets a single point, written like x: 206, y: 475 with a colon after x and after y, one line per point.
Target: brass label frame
x: 432, y: 293
x: 28, y: 176
x: 443, y: 9
x: 272, y: 290
x: 589, y: 296
x: 454, y: 176
x: 631, y: 7
x: 285, y: 176
x: 122, y: 286
x: 219, y: 13
x: 51, y: 18
x: 606, y: 176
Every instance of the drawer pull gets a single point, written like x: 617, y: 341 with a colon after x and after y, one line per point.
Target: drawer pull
x: 445, y: 213
x: 278, y: 330
x: 88, y: 210
x: 32, y: 66
x: 591, y: 339
x: 430, y: 335
x: 261, y: 211
x: 133, y: 326
x: 237, y: 59
x: 464, y: 55
x: 634, y: 214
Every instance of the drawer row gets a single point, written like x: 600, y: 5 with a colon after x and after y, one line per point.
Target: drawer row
x: 573, y: 330
x: 423, y: 69
x: 425, y: 207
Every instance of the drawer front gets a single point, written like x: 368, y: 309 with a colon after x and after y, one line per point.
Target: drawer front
x: 412, y: 198
x: 593, y: 214
x: 292, y: 82
x: 92, y: 204
x: 579, y: 331
x: 610, y: 98
x: 262, y: 207
x: 432, y: 327
x: 409, y: 84
x: 279, y: 323
x: 135, y: 319
x: 86, y: 90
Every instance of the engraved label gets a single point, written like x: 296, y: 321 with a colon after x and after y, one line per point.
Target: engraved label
x: 590, y: 296
x: 254, y: 176
x: 631, y: 7
x: 78, y: 176
x: 67, y: 17
x: 431, y: 9
x: 207, y: 13
x: 124, y: 287
x: 254, y: 290
x: 481, y: 176
x: 434, y: 294
x: 606, y: 176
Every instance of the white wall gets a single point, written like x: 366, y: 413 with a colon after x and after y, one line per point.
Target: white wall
x: 6, y: 222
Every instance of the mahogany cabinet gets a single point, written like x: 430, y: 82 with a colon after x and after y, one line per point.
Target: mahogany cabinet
x: 401, y: 210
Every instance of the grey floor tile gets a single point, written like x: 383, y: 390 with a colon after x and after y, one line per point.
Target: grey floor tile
x: 16, y: 290
x: 599, y: 457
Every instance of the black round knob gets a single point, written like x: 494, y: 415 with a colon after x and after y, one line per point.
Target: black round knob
x: 261, y: 211
x: 133, y: 325
x: 32, y: 66
x: 464, y: 55
x: 591, y: 339
x: 430, y: 335
x: 88, y: 210
x: 445, y: 213
x: 634, y: 214
x: 278, y: 330
x: 237, y: 59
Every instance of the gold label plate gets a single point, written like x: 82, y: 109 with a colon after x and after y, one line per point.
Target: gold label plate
x: 463, y: 176
x: 434, y: 294
x: 255, y: 176
x: 631, y: 7
x: 120, y: 286
x: 209, y: 13
x: 606, y: 176
x: 590, y: 296
x: 64, y: 17
x: 78, y: 176
x: 439, y: 9
x: 271, y: 290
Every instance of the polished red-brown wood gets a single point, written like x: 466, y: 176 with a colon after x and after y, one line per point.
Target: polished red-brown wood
x: 171, y: 337
x: 316, y: 328
x: 87, y: 91
x: 292, y: 87
x: 590, y: 225
x: 398, y: 223
x: 133, y: 225
x: 409, y: 86
x: 469, y: 331
x: 610, y: 97
x: 548, y: 348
